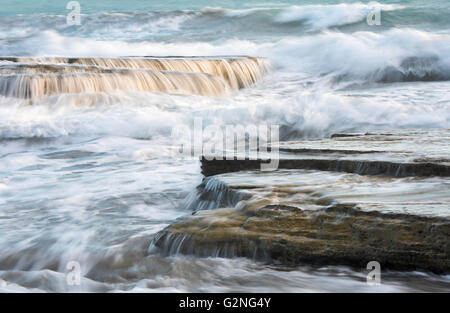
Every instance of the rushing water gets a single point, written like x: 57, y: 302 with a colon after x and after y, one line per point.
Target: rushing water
x: 90, y: 179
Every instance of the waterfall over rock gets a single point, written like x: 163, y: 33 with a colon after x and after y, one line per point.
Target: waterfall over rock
x: 35, y: 78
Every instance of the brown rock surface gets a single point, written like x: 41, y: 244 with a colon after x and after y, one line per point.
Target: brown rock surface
x: 339, y: 234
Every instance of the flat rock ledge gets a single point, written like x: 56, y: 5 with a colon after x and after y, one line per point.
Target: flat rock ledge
x: 398, y: 154
x: 362, y: 167
x: 289, y: 217
x: 336, y: 235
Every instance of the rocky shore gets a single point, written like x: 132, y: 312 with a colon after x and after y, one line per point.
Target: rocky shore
x: 307, y: 212
x: 337, y: 235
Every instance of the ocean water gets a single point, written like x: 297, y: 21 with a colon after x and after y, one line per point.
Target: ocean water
x: 92, y: 181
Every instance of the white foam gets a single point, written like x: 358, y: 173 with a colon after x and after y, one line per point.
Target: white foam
x: 152, y: 116
x: 320, y: 16
x: 357, y: 55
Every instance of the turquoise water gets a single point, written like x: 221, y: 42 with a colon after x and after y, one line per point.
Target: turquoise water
x: 202, y: 21
x: 10, y: 7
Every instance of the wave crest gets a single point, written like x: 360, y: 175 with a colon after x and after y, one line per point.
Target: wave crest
x: 320, y: 16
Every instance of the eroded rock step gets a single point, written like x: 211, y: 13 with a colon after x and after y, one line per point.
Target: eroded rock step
x: 27, y: 77
x: 301, y: 216
x: 398, y: 153
x: 36, y: 82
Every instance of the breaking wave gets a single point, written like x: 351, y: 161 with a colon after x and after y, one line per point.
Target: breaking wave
x: 392, y: 56
x: 88, y: 113
x: 319, y: 16
x: 144, y: 116
x: 214, y: 22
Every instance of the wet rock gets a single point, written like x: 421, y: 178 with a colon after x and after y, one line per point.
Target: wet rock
x: 29, y: 77
x: 346, y: 200
x: 397, y: 154
x: 344, y: 135
x: 339, y: 234
x: 362, y: 167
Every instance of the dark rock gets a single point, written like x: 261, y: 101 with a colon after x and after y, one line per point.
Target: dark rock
x: 362, y: 167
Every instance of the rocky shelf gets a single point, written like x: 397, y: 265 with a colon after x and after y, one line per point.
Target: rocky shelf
x: 326, y: 214
x: 399, y: 154
x: 337, y: 235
